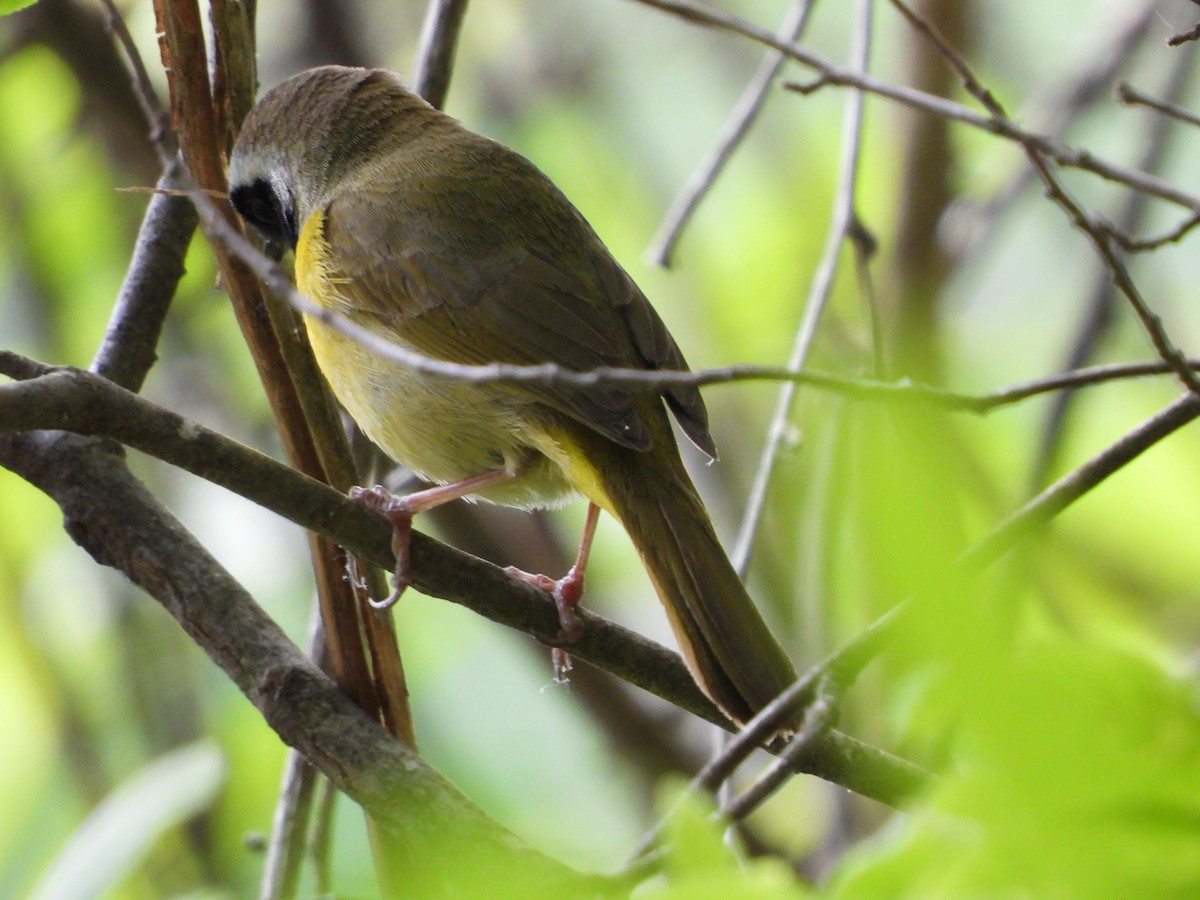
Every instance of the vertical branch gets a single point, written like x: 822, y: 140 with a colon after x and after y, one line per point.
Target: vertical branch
x: 439, y: 41
x: 207, y: 120
x: 736, y: 128
x: 919, y: 262
x: 841, y: 224
x: 130, y: 342
x: 234, y: 69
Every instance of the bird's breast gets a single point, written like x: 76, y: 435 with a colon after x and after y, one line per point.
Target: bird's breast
x: 443, y: 429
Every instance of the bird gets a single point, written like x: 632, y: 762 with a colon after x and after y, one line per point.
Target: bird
x: 449, y: 244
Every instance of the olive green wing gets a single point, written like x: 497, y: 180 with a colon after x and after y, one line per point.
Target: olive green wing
x: 510, y: 274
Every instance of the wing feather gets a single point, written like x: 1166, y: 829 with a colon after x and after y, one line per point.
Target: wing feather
x: 515, y: 277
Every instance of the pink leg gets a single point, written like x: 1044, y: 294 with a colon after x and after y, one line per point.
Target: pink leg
x: 568, y: 590
x: 400, y: 511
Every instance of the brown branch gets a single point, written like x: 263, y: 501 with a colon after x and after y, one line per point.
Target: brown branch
x: 841, y: 224
x: 112, y: 516
x: 1131, y: 96
x: 88, y: 405
x: 1100, y: 310
x: 207, y: 121
x: 1055, y: 106
x: 129, y: 346
x: 75, y: 32
x: 1171, y: 236
x: 308, y: 427
x: 435, y: 56
x: 1184, y: 37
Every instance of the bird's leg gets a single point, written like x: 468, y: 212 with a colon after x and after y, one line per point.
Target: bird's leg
x: 566, y: 591
x: 399, y: 511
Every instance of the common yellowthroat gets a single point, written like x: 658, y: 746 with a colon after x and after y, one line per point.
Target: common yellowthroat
x: 454, y: 246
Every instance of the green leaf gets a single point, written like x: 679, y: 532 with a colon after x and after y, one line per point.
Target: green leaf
x: 11, y: 6
x: 1073, y: 774
x: 698, y: 863
x: 121, y: 830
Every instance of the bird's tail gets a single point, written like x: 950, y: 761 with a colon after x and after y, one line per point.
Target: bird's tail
x: 729, y: 649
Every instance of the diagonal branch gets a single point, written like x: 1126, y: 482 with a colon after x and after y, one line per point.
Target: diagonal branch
x: 736, y: 128
x: 830, y: 73
x: 115, y: 518
x: 1098, y: 233
x: 89, y: 405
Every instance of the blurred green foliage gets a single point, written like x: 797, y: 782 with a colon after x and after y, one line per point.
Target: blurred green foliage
x: 1054, y: 696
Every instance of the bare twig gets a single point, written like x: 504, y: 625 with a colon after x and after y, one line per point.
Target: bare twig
x: 832, y: 74
x: 294, y: 807
x: 1144, y: 245
x: 841, y: 222
x: 1097, y: 232
x: 285, y: 852
x: 1102, y: 241
x: 320, y: 843
x: 818, y: 718
x: 1184, y: 37
x: 1055, y: 107
x: 162, y: 138
x: 1131, y: 96
x: 954, y: 58
x: 1101, y: 305
x: 736, y: 127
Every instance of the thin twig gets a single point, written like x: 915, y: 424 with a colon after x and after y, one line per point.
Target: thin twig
x: 736, y: 127
x: 1174, y: 235
x: 162, y: 137
x: 841, y: 222
x: 1098, y: 233
x: 1131, y: 96
x: 285, y: 851
x: 955, y: 59
x: 832, y: 74
x: 294, y: 808
x: 320, y: 844
x: 1184, y: 37
x: 649, y: 379
x: 818, y: 718
x: 966, y: 223
x: 1101, y: 307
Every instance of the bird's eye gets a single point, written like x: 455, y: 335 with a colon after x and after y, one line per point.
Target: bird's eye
x: 261, y: 205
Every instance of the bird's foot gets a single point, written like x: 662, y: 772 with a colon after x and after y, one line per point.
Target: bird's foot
x: 399, y: 511
x: 566, y: 593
